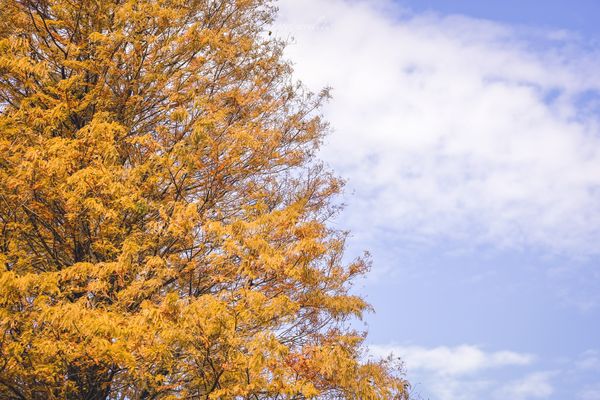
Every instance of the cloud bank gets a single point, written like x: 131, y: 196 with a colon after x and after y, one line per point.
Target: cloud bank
x: 455, y: 129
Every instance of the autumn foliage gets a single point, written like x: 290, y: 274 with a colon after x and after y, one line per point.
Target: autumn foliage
x: 163, y: 222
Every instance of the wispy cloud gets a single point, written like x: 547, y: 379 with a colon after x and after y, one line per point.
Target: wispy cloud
x: 591, y: 392
x: 454, y: 128
x: 589, y: 361
x: 463, y: 372
x: 583, y: 290
x: 537, y: 385
x: 460, y: 360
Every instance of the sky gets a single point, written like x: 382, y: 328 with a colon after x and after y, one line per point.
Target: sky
x: 469, y: 135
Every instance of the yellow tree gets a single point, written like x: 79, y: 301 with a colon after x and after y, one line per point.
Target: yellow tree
x: 163, y: 221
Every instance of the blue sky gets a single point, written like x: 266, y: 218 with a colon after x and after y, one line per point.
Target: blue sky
x: 575, y: 15
x: 469, y: 133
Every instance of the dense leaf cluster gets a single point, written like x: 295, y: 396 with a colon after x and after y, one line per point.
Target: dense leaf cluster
x: 162, y: 218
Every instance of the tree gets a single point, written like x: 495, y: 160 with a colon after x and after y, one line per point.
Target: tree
x: 164, y: 222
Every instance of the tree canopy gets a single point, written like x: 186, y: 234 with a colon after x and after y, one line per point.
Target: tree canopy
x: 163, y: 220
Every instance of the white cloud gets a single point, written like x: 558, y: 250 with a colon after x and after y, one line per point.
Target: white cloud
x: 461, y: 372
x: 455, y: 128
x: 589, y: 361
x: 533, y: 386
x: 460, y: 360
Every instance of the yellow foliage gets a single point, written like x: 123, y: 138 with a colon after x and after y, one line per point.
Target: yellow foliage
x: 163, y: 221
